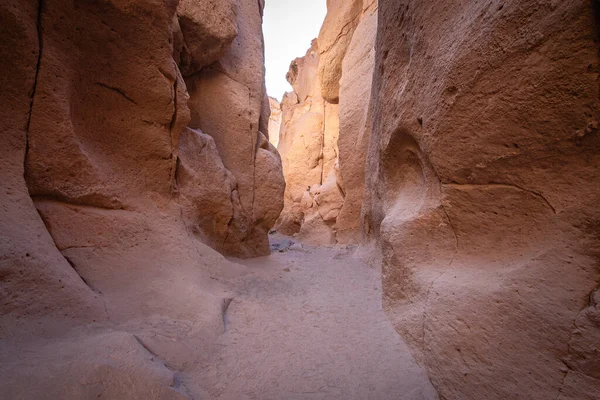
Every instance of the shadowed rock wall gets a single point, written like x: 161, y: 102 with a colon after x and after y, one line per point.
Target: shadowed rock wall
x: 135, y: 134
x: 481, y: 192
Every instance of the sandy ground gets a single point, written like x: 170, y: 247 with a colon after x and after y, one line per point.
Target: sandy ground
x: 303, y: 323
x: 307, y: 323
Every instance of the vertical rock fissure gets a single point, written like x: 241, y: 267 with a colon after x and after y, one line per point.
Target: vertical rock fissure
x: 323, y: 143
x: 35, y: 81
x: 255, y: 142
x: 453, y: 231
x: 174, y: 155
x: 230, y: 222
x: 174, y: 116
x: 40, y: 11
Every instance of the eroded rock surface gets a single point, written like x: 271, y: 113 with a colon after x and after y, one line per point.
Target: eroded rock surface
x: 113, y: 191
x: 480, y: 191
x: 227, y: 102
x: 323, y: 144
x: 274, y: 121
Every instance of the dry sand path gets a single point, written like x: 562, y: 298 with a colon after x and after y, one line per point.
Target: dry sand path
x: 307, y: 323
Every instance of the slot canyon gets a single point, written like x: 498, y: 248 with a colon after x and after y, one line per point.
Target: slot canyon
x: 416, y: 218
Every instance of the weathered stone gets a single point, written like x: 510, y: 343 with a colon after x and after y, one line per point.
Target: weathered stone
x: 336, y: 33
x: 227, y: 102
x: 479, y: 192
x: 40, y: 293
x: 208, y: 28
x: 208, y: 191
x: 355, y: 124
x: 94, y: 124
x: 348, y: 35
x: 274, y: 121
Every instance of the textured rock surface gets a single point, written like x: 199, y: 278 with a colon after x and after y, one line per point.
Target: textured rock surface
x: 355, y: 122
x: 208, y: 28
x: 110, y: 364
x: 36, y: 282
x: 301, y: 139
x: 274, y: 121
x: 109, y: 199
x: 323, y: 144
x: 227, y: 101
x: 336, y: 33
x: 481, y: 193
x: 147, y: 105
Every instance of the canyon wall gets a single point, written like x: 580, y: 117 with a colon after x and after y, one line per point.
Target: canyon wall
x: 274, y: 121
x: 325, y: 127
x: 135, y: 138
x: 481, y: 190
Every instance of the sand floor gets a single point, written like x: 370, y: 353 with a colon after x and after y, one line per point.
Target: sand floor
x: 307, y: 323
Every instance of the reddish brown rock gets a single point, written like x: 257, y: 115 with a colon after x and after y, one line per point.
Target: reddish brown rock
x: 227, y: 103
x: 480, y: 192
x: 94, y: 120
x: 132, y: 103
x: 40, y: 293
x: 205, y: 184
x: 208, y: 28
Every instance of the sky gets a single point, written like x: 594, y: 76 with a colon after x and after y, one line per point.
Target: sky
x: 288, y: 27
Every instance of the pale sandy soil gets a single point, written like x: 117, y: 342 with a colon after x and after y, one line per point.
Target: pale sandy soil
x: 303, y: 323
x: 307, y: 323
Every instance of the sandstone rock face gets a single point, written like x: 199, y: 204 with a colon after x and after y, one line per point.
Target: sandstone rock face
x: 308, y: 147
x: 114, y: 182
x: 480, y: 191
x: 300, y: 139
x: 227, y: 100
x: 208, y: 28
x: 147, y: 105
x: 355, y: 122
x: 36, y: 283
x: 323, y: 144
x: 274, y: 121
x: 336, y: 33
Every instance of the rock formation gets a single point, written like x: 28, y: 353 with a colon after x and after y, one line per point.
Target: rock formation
x: 323, y: 144
x: 229, y: 96
x: 308, y: 147
x: 461, y: 139
x: 481, y: 191
x: 476, y: 183
x: 135, y: 135
x: 274, y: 121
